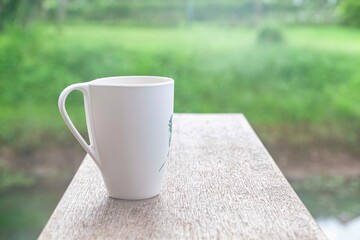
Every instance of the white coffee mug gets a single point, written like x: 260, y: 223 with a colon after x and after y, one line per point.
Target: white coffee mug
x: 129, y: 121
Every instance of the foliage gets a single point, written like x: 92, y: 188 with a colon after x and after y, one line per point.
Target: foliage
x: 166, y: 13
x: 350, y: 12
x: 270, y: 34
x: 346, y: 99
x: 19, y: 12
x: 13, y: 179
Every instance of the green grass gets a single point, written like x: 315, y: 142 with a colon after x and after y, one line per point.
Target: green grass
x: 330, y: 38
x: 312, y: 78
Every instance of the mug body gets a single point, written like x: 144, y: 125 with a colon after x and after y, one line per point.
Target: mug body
x: 130, y: 120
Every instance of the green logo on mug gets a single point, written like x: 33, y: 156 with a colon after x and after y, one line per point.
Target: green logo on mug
x: 170, y: 129
x: 170, y: 132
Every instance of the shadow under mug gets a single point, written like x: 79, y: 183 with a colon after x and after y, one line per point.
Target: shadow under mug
x: 129, y: 121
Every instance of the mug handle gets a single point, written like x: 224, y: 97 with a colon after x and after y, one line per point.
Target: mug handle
x: 84, y: 89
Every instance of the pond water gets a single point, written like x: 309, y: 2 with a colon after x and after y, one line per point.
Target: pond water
x: 336, y: 229
x: 24, y: 212
x: 334, y: 203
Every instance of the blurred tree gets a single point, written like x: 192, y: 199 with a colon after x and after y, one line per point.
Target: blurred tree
x: 350, y: 12
x: 62, y: 10
x: 257, y: 11
x: 189, y: 11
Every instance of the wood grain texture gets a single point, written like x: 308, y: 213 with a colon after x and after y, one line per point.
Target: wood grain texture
x: 220, y: 183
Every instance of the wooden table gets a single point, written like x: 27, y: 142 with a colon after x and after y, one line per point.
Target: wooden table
x: 221, y: 183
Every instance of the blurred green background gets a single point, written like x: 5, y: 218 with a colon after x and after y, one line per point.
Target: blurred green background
x: 291, y: 66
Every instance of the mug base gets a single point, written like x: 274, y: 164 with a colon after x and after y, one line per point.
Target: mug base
x: 133, y: 198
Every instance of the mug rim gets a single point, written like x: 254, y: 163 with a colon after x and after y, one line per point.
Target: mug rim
x: 132, y: 81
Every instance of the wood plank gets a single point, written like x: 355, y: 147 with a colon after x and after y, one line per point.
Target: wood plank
x: 221, y: 183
